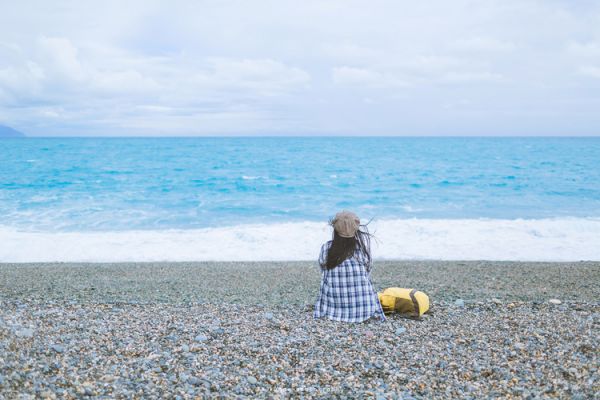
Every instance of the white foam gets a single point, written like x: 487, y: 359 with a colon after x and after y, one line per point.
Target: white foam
x: 565, y: 239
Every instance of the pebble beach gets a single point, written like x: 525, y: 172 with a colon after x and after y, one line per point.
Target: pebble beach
x: 245, y: 330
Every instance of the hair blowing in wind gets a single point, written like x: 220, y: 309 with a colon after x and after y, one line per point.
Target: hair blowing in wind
x: 343, y: 248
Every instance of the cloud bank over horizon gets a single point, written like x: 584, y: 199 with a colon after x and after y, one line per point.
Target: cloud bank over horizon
x: 152, y: 68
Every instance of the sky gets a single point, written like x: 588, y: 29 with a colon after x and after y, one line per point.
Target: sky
x: 183, y: 68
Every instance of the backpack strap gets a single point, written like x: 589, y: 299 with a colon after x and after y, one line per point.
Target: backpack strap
x: 415, y: 303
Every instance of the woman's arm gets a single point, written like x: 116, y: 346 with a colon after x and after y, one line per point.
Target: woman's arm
x: 323, y: 256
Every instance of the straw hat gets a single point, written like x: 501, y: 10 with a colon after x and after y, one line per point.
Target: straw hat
x: 346, y: 223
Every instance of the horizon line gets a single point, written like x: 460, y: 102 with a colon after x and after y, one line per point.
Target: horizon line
x: 214, y: 136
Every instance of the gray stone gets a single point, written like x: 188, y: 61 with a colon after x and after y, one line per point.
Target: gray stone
x: 57, y: 348
x: 400, y: 330
x: 201, y: 338
x: 252, y: 380
x: 192, y: 380
x: 459, y: 303
x: 117, y: 353
x: 24, y: 332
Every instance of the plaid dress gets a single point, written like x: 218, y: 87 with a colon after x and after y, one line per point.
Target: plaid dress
x: 346, y: 292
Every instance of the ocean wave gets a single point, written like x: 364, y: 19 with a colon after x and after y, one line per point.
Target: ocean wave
x: 560, y: 239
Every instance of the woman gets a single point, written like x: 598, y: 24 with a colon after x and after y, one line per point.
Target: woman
x: 346, y: 292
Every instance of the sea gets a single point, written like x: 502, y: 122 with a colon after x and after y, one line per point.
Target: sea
x: 270, y: 198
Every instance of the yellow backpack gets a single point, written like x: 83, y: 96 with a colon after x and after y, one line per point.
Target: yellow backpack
x: 410, y: 303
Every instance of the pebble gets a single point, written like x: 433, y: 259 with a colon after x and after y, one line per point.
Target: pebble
x: 400, y: 330
x: 459, y: 303
x: 57, y: 348
x: 192, y: 380
x: 254, y: 358
x: 201, y: 338
x: 555, y: 301
x: 149, y: 349
x: 24, y: 332
x: 519, y: 346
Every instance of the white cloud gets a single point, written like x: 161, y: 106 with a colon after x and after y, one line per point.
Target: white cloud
x: 590, y: 70
x: 485, y: 44
x: 422, y: 71
x: 473, y: 77
x: 128, y: 81
x: 148, y: 67
x: 260, y: 74
x: 60, y: 56
x: 362, y: 77
x: 112, y: 83
x: 584, y: 49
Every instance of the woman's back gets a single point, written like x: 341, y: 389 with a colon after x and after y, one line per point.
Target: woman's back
x: 346, y: 293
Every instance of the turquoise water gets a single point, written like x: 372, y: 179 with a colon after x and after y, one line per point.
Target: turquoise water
x: 96, y: 184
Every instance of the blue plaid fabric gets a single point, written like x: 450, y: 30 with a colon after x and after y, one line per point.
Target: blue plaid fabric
x: 346, y: 292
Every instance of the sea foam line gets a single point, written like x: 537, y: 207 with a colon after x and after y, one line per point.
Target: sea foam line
x: 564, y: 239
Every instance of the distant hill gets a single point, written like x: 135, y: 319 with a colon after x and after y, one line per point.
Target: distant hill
x: 7, y: 131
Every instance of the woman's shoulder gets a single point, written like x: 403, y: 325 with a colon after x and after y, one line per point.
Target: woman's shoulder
x: 325, y: 248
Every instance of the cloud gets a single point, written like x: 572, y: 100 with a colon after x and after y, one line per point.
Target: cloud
x: 60, y: 57
x: 590, y: 70
x: 55, y: 77
x: 483, y: 44
x: 129, y: 81
x: 265, y: 75
x: 351, y: 76
x: 283, y: 67
x: 423, y: 71
x: 584, y: 49
x: 473, y: 77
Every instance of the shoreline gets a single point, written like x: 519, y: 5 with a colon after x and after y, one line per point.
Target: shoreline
x: 562, y: 239
x: 245, y: 330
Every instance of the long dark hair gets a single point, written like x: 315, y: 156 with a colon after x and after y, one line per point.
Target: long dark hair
x: 343, y: 248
